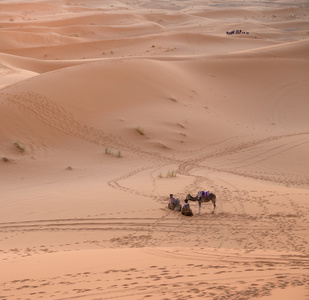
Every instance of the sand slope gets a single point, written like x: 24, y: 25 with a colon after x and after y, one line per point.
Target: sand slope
x: 107, y: 108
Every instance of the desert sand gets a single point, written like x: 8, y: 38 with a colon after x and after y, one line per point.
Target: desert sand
x: 108, y: 107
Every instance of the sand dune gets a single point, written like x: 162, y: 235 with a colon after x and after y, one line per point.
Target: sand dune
x: 107, y: 107
x: 289, y: 50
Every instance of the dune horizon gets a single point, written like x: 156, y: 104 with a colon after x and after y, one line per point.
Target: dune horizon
x: 108, y: 107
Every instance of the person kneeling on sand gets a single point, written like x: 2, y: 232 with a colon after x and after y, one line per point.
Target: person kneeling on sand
x: 186, y: 210
x: 174, y: 203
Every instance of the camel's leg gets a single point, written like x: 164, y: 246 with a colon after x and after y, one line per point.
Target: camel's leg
x: 199, y: 206
x: 214, y: 203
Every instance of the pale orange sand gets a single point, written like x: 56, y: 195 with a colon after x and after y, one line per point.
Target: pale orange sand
x: 106, y: 109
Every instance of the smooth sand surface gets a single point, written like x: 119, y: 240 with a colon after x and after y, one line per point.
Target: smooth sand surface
x: 107, y: 107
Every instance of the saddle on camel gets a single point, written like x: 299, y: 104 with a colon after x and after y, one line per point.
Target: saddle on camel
x: 174, y: 203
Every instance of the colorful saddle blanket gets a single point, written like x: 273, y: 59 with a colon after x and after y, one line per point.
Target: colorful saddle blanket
x: 174, y: 201
x: 204, y: 194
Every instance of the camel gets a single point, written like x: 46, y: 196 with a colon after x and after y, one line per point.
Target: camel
x: 203, y: 198
x: 186, y: 210
x: 174, y: 204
